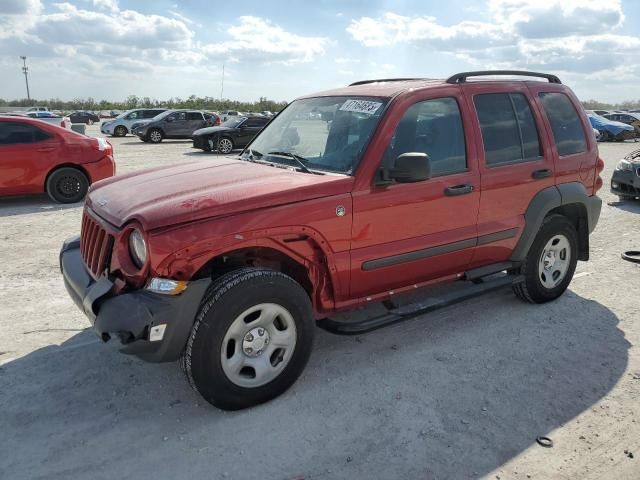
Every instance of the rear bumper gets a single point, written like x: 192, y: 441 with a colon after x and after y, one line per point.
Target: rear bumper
x: 626, y: 182
x: 130, y: 316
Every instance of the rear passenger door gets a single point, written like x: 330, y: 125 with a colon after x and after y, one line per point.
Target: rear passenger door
x: 573, y: 145
x: 515, y: 164
x: 195, y: 120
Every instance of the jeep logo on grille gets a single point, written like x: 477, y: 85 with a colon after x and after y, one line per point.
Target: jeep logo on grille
x: 102, y: 202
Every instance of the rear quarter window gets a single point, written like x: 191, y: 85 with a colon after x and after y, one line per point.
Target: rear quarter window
x: 565, y: 123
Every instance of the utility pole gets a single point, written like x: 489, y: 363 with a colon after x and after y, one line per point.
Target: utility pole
x: 222, y: 87
x: 25, y: 70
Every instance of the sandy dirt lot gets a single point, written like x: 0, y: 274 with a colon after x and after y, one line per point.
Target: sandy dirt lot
x: 459, y: 393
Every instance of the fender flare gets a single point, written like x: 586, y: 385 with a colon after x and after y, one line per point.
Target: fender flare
x: 545, y: 201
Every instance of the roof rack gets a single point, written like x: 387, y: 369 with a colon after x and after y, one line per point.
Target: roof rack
x: 364, y: 82
x: 462, y: 77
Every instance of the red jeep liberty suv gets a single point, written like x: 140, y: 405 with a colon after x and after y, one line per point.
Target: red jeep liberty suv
x: 347, y: 197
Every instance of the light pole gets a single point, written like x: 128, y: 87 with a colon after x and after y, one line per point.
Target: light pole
x: 25, y: 70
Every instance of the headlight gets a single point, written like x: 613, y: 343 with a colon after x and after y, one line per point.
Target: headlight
x: 137, y: 248
x: 166, y: 286
x: 623, y: 165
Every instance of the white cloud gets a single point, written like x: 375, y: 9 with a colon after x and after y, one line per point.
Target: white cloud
x: 256, y: 39
x: 108, y: 5
x: 554, y: 35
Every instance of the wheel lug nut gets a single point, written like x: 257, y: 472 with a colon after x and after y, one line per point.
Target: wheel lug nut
x: 249, y: 337
x: 266, y: 341
x: 261, y: 331
x: 248, y: 350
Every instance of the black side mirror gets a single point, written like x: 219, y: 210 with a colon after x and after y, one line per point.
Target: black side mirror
x: 410, y: 167
x: 169, y: 119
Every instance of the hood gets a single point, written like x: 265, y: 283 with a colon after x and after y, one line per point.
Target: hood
x: 210, y: 130
x: 171, y: 195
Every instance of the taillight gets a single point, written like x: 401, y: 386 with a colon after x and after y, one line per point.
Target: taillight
x: 217, y: 122
x: 599, y: 168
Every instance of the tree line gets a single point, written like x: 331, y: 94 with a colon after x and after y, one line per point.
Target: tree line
x: 210, y: 103
x: 133, y: 101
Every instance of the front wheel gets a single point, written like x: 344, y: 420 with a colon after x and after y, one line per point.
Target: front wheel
x: 120, y: 131
x: 67, y: 185
x: 550, y: 263
x: 251, y: 339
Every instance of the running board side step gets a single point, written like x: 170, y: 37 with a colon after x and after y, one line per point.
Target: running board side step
x: 406, y: 312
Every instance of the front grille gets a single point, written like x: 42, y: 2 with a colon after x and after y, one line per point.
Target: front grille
x: 96, y: 245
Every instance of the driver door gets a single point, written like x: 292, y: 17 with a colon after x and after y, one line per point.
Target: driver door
x: 408, y: 233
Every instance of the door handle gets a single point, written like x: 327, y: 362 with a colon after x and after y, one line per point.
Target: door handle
x: 458, y: 190
x: 538, y: 174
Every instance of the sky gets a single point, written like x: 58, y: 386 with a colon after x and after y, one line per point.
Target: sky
x: 109, y: 49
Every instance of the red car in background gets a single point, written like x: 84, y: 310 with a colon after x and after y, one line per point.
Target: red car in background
x: 38, y: 157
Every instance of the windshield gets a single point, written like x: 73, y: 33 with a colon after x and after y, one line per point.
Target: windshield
x: 326, y: 133
x: 233, y: 122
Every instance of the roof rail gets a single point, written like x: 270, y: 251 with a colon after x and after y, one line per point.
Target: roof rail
x: 364, y: 82
x: 462, y: 77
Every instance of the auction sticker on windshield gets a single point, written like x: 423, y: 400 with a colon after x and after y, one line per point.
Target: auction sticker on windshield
x: 361, y: 106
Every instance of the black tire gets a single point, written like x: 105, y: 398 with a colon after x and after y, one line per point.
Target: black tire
x: 120, y: 131
x: 532, y: 289
x: 67, y: 185
x: 604, y: 136
x: 225, y: 145
x: 225, y: 301
x: 155, y: 135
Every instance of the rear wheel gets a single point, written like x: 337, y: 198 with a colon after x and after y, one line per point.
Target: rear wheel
x: 120, y: 131
x: 550, y: 263
x: 67, y: 185
x: 251, y: 340
x: 604, y: 136
x: 225, y: 145
x: 155, y: 135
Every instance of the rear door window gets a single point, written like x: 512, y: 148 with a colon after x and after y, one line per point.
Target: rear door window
x: 565, y: 123
x: 509, y: 131
x: 255, y: 122
x: 13, y: 133
x: 194, y: 116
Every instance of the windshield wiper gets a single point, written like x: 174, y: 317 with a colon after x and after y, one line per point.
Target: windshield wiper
x: 297, y: 158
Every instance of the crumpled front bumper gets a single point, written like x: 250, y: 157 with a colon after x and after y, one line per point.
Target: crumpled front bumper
x: 130, y: 316
x: 626, y: 182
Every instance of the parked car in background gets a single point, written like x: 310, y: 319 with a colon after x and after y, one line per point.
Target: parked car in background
x: 267, y: 113
x: 88, y: 118
x: 601, y: 112
x: 625, y: 181
x: 38, y: 109
x: 630, y: 118
x: 37, y: 157
x: 51, y: 118
x: 121, y: 125
x: 227, y: 114
x: 232, y: 134
x: 213, y: 118
x: 171, y: 124
x: 610, y: 130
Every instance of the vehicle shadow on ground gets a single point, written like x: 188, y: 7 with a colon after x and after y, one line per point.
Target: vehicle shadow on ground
x: 32, y: 204
x: 454, y: 394
x: 631, y: 206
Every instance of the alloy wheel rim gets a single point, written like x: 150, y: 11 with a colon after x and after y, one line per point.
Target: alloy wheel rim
x: 225, y: 145
x: 155, y: 136
x: 258, y: 345
x: 554, y: 261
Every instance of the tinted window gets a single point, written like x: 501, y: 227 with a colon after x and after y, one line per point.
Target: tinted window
x: 433, y: 127
x: 509, y: 132
x: 194, y: 116
x: 178, y: 116
x: 255, y: 122
x: 13, y: 133
x: 135, y: 115
x: 565, y: 123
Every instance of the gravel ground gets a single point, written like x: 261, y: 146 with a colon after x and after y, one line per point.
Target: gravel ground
x: 459, y: 393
